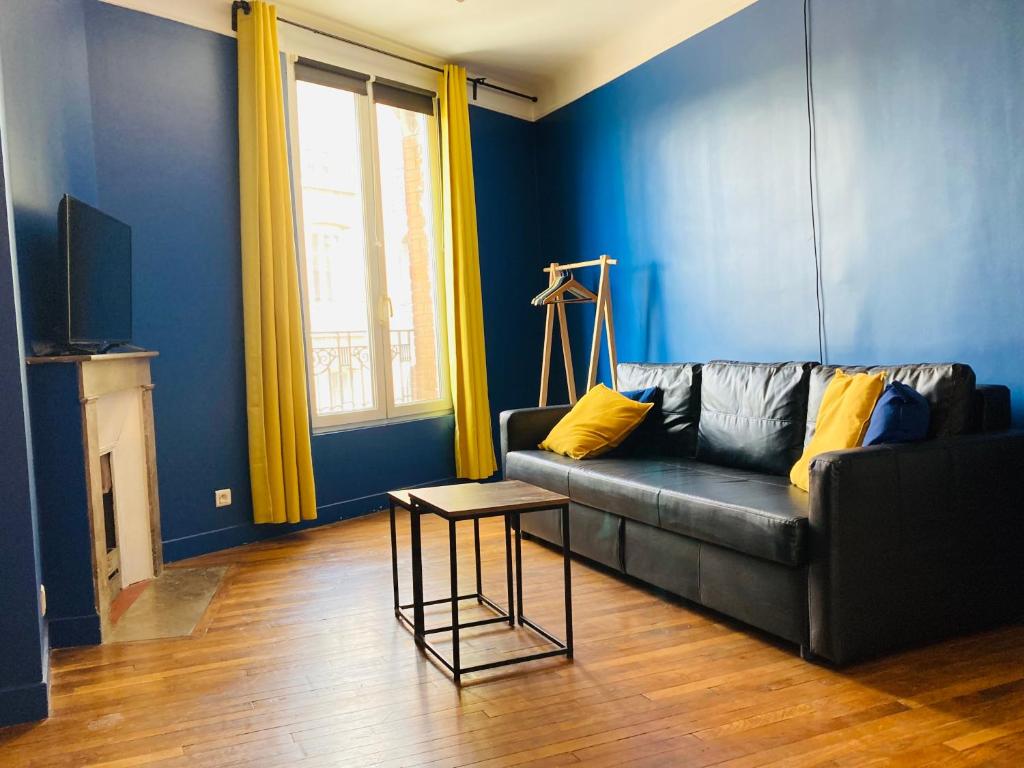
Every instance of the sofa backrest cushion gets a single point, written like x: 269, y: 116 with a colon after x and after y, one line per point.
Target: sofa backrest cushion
x: 752, y: 415
x: 671, y: 426
x: 948, y: 388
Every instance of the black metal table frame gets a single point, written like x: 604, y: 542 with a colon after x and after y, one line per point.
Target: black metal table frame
x: 512, y: 523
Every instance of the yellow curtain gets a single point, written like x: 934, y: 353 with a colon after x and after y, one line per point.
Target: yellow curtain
x: 474, y: 448
x: 280, y: 459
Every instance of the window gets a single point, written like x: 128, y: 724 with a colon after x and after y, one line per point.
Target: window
x: 366, y: 162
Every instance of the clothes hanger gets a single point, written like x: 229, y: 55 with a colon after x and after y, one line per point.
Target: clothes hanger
x: 560, y: 279
x: 566, y: 289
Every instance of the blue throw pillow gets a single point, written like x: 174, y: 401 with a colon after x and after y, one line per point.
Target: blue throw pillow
x: 901, y: 415
x: 648, y: 395
x: 639, y: 438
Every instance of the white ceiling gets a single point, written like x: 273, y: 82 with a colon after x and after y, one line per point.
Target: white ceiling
x: 558, y: 49
x: 551, y: 47
x: 527, y: 40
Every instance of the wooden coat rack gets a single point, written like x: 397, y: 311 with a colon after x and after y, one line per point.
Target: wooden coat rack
x: 570, y: 291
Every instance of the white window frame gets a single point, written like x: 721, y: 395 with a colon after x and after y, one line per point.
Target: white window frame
x: 379, y: 305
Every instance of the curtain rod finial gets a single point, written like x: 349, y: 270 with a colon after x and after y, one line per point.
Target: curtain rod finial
x: 236, y: 6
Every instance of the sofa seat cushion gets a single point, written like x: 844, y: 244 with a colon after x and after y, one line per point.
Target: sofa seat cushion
x: 541, y: 468
x: 754, y: 513
x: 627, y: 487
x: 757, y: 514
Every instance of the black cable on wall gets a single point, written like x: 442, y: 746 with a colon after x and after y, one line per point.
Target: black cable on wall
x: 812, y: 179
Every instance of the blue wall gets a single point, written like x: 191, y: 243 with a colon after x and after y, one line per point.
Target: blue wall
x: 65, y: 535
x: 692, y: 169
x: 23, y: 663
x: 49, y: 151
x: 138, y: 115
x: 165, y: 126
x: 23, y: 667
x: 50, y: 141
x: 504, y: 166
x: 164, y: 103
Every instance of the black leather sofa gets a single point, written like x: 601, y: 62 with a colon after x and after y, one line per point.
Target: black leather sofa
x: 894, y: 545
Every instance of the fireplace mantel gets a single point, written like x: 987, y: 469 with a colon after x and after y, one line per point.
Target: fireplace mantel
x: 92, y: 428
x: 109, y: 357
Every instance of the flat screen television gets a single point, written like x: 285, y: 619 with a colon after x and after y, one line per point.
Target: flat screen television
x: 97, y: 250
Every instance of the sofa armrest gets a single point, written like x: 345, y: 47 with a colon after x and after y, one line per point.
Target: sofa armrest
x: 991, y: 408
x: 910, y: 543
x: 524, y: 428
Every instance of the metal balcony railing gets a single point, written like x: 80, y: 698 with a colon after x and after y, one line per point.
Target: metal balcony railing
x: 343, y: 370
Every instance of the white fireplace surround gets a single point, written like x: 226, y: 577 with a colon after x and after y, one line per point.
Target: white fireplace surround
x: 116, y: 393
x: 120, y: 433
x: 116, y: 396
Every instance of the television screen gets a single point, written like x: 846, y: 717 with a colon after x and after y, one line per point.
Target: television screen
x: 98, y: 250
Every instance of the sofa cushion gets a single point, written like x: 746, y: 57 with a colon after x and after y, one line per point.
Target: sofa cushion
x: 948, y: 388
x: 754, y: 513
x: 671, y: 428
x: 541, y: 468
x: 623, y: 486
x: 753, y: 415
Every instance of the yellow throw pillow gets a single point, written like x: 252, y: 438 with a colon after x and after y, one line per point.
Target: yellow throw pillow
x: 843, y: 418
x: 599, y: 421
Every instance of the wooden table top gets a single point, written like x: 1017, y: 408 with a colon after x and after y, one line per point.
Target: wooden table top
x: 401, y: 496
x: 468, y: 500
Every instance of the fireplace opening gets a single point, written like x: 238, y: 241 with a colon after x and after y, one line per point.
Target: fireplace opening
x: 113, y: 563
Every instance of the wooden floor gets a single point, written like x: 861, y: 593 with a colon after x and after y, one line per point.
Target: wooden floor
x: 300, y: 662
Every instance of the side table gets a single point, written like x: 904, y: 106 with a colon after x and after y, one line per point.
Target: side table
x: 509, y: 499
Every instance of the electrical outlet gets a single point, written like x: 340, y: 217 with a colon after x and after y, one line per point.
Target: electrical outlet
x: 222, y: 498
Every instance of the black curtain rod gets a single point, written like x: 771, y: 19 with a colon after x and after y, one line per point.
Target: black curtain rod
x: 478, y: 82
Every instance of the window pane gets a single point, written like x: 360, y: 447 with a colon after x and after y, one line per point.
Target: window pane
x: 335, y: 237
x: 407, y: 203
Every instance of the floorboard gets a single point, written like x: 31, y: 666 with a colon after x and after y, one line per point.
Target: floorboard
x: 299, y: 661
